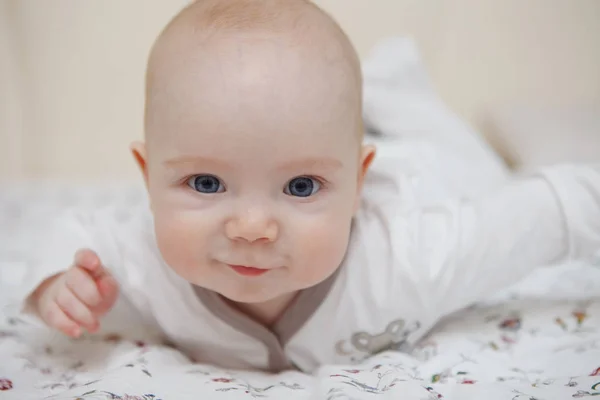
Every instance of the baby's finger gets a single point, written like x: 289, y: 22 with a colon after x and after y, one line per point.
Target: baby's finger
x: 76, y: 310
x: 90, y: 261
x: 56, y: 318
x: 81, y: 283
x: 109, y: 291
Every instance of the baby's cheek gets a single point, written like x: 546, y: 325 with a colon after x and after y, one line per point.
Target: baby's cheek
x: 179, y: 240
x: 323, y: 246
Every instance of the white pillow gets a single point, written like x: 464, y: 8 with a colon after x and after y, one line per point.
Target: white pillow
x: 530, y: 137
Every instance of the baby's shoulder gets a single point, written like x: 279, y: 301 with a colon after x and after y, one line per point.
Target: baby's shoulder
x: 374, y: 248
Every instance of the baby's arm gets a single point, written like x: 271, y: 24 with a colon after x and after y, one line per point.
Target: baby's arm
x: 470, y: 249
x: 76, y: 298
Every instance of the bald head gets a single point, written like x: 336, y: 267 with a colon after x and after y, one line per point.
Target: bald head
x: 252, y: 47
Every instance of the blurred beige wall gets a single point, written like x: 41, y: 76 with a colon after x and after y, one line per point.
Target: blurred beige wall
x: 11, y: 131
x: 77, y: 70
x: 71, y: 71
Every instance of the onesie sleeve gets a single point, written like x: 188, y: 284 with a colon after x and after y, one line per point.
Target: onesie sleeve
x: 464, y: 250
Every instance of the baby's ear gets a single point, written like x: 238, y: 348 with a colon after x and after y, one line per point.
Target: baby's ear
x: 367, y: 155
x: 138, y: 149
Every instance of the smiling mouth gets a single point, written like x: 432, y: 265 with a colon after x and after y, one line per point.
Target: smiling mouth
x: 248, y: 271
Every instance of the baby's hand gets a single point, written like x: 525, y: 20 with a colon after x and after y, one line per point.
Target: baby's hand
x: 78, y: 297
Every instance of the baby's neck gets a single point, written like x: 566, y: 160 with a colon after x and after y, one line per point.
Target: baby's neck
x: 268, y: 312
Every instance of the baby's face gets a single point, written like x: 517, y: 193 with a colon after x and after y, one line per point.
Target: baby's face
x: 254, y: 168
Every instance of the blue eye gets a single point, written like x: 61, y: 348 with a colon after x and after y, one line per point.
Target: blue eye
x: 205, y: 184
x: 302, y: 187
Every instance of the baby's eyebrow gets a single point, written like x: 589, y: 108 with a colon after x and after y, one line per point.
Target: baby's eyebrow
x: 313, y: 162
x: 190, y: 160
x: 302, y: 163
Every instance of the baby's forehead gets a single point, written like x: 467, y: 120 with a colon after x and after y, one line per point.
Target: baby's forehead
x: 253, y: 65
x: 242, y: 103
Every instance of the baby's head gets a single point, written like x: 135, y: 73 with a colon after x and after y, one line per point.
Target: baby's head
x: 253, y: 153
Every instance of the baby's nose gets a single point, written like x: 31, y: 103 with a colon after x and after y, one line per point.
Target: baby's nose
x: 252, y: 226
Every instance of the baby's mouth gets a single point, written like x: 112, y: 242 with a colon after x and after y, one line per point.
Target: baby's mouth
x: 247, y: 270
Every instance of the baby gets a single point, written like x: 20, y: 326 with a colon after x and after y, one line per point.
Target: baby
x: 259, y: 249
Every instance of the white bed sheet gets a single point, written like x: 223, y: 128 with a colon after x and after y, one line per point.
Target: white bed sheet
x: 537, y: 340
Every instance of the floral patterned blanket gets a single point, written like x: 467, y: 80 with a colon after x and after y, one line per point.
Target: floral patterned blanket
x: 537, y: 340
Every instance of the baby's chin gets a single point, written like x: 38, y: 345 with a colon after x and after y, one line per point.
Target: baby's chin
x: 251, y: 293
x: 248, y: 290
x: 240, y: 290
x: 245, y: 298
